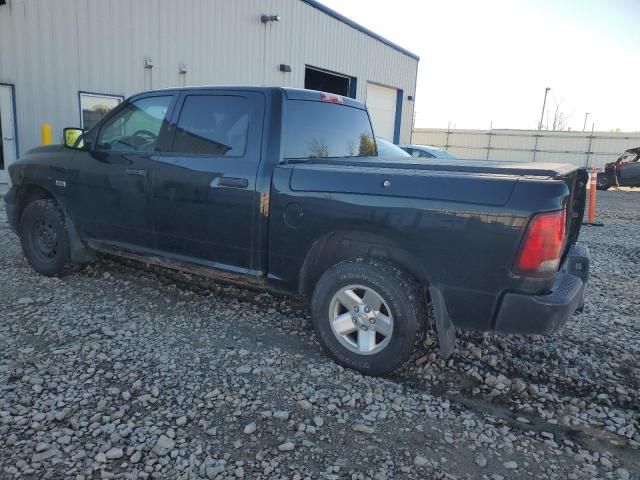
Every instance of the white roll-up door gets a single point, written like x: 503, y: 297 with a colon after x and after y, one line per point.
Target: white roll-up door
x: 381, y: 103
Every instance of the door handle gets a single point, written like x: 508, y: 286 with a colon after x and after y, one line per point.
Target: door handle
x: 8, y: 139
x: 133, y: 171
x: 230, y: 182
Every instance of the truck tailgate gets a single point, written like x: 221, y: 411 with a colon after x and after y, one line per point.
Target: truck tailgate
x: 577, y: 183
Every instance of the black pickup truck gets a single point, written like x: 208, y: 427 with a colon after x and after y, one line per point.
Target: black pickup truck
x: 283, y: 189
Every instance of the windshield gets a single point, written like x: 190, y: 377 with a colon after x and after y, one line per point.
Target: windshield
x: 631, y: 155
x: 388, y: 149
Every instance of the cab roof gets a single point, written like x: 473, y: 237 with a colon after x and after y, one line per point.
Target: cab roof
x: 289, y: 93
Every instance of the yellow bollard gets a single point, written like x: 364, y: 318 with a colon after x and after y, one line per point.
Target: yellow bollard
x: 45, y: 134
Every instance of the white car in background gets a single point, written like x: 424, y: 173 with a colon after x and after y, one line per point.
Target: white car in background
x: 426, y: 151
x: 388, y: 149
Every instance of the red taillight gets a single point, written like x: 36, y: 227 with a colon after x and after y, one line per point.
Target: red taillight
x: 330, y: 98
x: 542, y: 245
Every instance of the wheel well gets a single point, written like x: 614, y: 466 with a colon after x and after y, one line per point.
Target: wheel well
x: 336, y: 247
x: 28, y: 194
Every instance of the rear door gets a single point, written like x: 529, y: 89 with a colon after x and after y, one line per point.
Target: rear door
x: 119, y: 170
x: 204, y: 189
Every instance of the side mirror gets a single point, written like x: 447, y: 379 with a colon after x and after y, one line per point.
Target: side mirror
x: 73, y: 138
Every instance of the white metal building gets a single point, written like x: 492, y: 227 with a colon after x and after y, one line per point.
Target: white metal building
x: 66, y: 62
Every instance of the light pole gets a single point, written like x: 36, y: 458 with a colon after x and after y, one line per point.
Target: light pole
x: 585, y: 121
x: 544, y: 104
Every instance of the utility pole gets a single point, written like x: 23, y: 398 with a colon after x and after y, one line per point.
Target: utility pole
x: 544, y: 104
x: 446, y: 146
x: 489, y: 143
x: 593, y: 127
x: 586, y: 115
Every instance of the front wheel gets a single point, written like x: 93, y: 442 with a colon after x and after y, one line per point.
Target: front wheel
x: 43, y: 236
x: 603, y: 182
x: 368, y: 315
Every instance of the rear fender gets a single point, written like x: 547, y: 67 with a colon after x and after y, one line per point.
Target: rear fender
x: 337, y: 246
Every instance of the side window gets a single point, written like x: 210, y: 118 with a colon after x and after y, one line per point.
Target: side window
x: 425, y: 154
x: 135, y: 128
x: 213, y: 125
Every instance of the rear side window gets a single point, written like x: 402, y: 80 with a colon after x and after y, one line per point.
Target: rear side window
x: 318, y: 129
x: 213, y: 125
x: 423, y: 154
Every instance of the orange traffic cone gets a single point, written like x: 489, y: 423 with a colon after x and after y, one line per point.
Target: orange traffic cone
x: 591, y: 216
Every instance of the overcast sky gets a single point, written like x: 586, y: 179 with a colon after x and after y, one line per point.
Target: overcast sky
x: 490, y: 60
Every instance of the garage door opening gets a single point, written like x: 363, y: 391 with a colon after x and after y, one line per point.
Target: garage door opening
x: 315, y: 79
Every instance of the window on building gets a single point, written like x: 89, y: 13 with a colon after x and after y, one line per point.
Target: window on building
x: 213, y: 125
x: 136, y: 127
x: 95, y: 107
x: 315, y: 79
x: 316, y: 129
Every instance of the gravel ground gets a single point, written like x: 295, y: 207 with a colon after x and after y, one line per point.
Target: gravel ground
x: 118, y: 371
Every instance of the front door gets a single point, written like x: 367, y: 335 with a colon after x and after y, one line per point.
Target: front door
x: 204, y: 193
x: 8, y: 150
x: 120, y: 171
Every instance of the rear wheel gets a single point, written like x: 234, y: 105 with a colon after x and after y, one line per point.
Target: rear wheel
x: 368, y: 315
x: 43, y: 236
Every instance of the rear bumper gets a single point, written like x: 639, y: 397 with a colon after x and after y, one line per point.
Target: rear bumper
x: 546, y: 314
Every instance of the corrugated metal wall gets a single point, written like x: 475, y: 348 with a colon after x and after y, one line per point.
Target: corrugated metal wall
x: 51, y: 50
x: 577, y: 148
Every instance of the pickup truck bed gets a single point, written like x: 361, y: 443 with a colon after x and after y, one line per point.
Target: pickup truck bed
x: 282, y: 189
x: 462, y: 225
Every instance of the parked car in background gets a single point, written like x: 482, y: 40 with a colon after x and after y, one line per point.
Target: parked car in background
x: 624, y: 172
x: 282, y: 189
x: 388, y: 149
x: 427, y: 151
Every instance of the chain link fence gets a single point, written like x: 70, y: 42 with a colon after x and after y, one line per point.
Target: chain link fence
x: 578, y: 148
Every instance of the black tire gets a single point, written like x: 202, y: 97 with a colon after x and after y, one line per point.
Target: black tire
x: 603, y: 182
x: 44, y: 238
x: 398, y: 290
